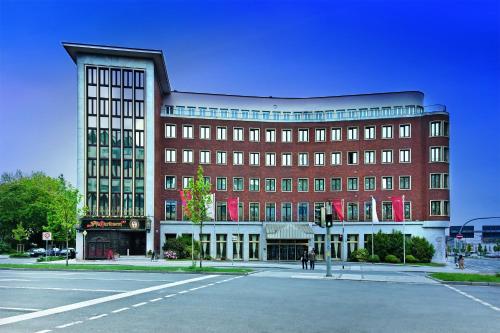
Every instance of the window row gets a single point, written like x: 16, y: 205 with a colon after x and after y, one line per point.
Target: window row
x: 116, y: 168
x: 117, y: 138
x: 115, y: 204
x: 368, y: 183
x: 103, y: 107
x: 302, y: 158
x: 303, y: 134
x: 118, y: 76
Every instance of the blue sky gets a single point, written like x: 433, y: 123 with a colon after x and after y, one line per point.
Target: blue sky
x: 450, y: 50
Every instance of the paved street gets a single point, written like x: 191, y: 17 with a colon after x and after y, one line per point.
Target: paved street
x: 272, y: 300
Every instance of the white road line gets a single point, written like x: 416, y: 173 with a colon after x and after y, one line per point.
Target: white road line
x: 494, y: 308
x: 139, y: 304
x: 66, y: 289
x: 211, y: 284
x: 155, y: 300
x: 183, y: 292
x: 19, y: 309
x: 120, y: 310
x: 43, y: 331
x: 99, y: 316
x: 171, y: 295
x: 79, y: 305
x: 69, y: 324
x: 22, y: 280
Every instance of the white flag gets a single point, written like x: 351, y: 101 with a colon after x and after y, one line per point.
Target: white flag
x: 374, y: 211
x: 211, y: 207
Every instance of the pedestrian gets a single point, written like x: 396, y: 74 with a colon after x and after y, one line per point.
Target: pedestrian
x: 461, y: 262
x: 304, y: 259
x: 153, y: 256
x: 312, y: 259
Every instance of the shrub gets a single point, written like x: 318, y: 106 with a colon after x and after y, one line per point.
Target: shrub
x: 374, y: 258
x: 392, y: 259
x: 420, y: 248
x: 42, y: 259
x: 182, y: 247
x: 411, y: 259
x: 359, y: 255
x: 19, y: 255
x: 170, y: 254
x: 5, y: 247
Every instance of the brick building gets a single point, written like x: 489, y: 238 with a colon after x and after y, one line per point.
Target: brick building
x: 139, y: 143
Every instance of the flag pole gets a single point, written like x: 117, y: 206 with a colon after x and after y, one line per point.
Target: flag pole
x: 238, y: 224
x: 373, y: 209
x: 404, y: 232
x: 344, y: 254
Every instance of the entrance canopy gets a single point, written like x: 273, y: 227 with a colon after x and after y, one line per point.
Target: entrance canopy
x: 288, y: 231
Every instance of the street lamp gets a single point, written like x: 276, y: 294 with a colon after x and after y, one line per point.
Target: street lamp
x: 84, y: 233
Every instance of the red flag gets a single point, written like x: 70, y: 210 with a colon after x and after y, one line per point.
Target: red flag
x: 397, y: 207
x: 232, y: 204
x: 185, y: 197
x: 337, y: 205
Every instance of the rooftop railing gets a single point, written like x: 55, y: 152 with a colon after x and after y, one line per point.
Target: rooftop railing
x: 298, y: 116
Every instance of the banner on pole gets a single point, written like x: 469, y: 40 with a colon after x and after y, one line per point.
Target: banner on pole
x: 232, y: 204
x: 398, y: 208
x: 338, y: 206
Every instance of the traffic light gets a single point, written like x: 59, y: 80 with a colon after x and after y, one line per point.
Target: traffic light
x: 328, y: 215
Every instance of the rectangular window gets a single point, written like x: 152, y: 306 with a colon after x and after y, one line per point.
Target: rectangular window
x: 170, y: 210
x: 387, y: 132
x: 238, y: 158
x: 368, y: 211
x: 303, y: 212
x: 204, y: 157
x: 91, y: 76
x: 303, y: 185
x: 319, y: 185
x: 404, y: 156
x: 270, y: 135
x: 439, y: 208
x: 170, y: 156
x: 404, y: 182
x: 254, y: 135
x: 187, y: 132
x: 254, y: 185
x: 352, y: 157
x: 336, y: 184
x: 319, y: 159
x: 169, y: 131
x: 407, y: 210
x: 438, y: 128
x: 255, y: 159
x: 317, y: 211
x: 336, y: 134
x: 238, y: 184
x: 221, y: 157
x: 369, y: 183
x: 387, y: 183
x: 439, y: 154
x: 270, y: 185
x: 186, y: 181
x: 369, y: 157
x: 303, y: 159
x: 386, y: 156
x: 352, y: 211
x: 270, y: 159
x: 205, y: 132
x: 187, y: 156
x: 439, y: 181
x: 254, y: 211
x: 405, y: 131
x: 286, y: 135
x: 238, y: 134
x: 352, y: 133
x: 221, y: 184
x: 386, y: 211
x: 286, y: 211
x: 303, y: 135
x: 170, y: 183
x: 336, y: 158
x: 320, y: 135
x: 221, y: 133
x: 286, y: 159
x: 221, y: 211
x: 270, y: 211
x: 352, y: 184
x: 369, y: 132
x: 286, y: 185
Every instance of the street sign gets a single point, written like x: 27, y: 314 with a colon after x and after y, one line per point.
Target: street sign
x: 459, y: 236
x: 46, y: 236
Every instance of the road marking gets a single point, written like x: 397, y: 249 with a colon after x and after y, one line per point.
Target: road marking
x: 79, y: 305
x: 22, y: 280
x: 99, y: 316
x: 120, y: 310
x: 211, y: 284
x: 155, y: 300
x: 171, y: 295
x: 19, y: 309
x: 183, y: 292
x: 66, y: 289
x: 139, y: 304
x: 43, y: 331
x: 69, y: 324
x: 494, y: 308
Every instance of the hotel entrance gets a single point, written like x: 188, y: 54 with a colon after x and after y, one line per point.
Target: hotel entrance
x: 286, y: 250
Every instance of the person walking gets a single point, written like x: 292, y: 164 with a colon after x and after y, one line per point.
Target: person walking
x: 153, y: 255
x: 312, y: 259
x: 304, y: 259
x: 461, y: 262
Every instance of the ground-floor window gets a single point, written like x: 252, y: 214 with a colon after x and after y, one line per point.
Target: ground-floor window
x: 237, y: 246
x: 221, y: 246
x: 205, y: 245
x: 336, y: 247
x: 253, y: 247
x: 319, y: 246
x: 352, y: 244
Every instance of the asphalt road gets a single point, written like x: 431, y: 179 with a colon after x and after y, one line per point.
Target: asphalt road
x: 483, y: 265
x: 270, y: 301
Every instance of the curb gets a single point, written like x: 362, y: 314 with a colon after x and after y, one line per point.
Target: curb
x: 465, y: 283
x: 121, y: 271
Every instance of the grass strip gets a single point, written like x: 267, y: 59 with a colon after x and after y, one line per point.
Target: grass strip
x: 431, y: 264
x: 90, y: 267
x: 464, y: 277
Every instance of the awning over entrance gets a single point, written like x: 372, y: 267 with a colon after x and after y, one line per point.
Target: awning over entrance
x: 288, y: 231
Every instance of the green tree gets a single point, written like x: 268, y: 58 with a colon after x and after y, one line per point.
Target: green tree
x: 199, y: 193
x: 64, y: 213
x: 469, y: 248
x: 20, y: 234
